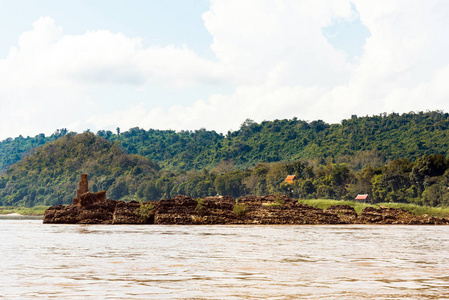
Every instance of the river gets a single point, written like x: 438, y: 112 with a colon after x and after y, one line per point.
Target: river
x: 222, y: 262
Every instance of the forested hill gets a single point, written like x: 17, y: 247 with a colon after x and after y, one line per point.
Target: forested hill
x: 361, y: 139
x: 358, y: 140
x: 13, y: 150
x: 51, y: 174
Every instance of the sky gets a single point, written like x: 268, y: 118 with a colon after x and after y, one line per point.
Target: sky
x: 191, y: 64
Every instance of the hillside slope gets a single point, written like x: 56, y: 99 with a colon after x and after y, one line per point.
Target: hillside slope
x: 377, y: 138
x: 50, y: 175
x: 13, y: 150
x: 358, y: 140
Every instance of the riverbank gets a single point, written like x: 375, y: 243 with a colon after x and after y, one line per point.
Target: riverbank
x: 36, y: 211
x: 20, y: 217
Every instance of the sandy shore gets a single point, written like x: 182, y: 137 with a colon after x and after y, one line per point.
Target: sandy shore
x: 16, y: 216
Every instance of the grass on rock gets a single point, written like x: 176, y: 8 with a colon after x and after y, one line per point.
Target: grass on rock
x: 441, y: 212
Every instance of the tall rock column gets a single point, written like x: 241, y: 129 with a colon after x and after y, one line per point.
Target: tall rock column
x: 83, y: 186
x: 84, y: 197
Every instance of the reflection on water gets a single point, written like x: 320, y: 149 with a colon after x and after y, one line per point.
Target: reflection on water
x: 222, y: 262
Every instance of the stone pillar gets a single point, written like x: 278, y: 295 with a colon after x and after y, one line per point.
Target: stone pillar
x: 83, y: 186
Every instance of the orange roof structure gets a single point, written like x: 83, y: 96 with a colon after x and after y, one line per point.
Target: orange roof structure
x: 362, y: 197
x: 291, y: 179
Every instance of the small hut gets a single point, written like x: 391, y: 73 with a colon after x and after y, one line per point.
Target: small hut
x: 363, y: 197
x: 291, y: 179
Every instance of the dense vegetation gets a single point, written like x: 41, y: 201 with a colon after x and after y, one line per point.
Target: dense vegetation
x: 50, y: 176
x: 13, y: 150
x: 356, y: 141
x: 394, y: 158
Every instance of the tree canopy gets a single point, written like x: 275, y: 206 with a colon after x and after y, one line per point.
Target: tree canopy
x: 395, y: 158
x: 50, y: 175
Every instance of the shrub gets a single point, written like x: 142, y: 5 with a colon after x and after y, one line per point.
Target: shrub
x: 199, y: 205
x: 239, y: 210
x: 145, y: 211
x: 278, y: 201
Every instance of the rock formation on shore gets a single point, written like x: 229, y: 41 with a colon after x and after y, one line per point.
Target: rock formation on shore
x: 94, y: 208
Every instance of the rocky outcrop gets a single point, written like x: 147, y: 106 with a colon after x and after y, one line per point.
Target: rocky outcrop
x: 103, y: 212
x: 282, y: 210
x: 388, y: 215
x: 83, y: 186
x: 345, y: 213
x: 84, y: 197
x: 94, y: 208
x: 126, y: 213
x: 183, y: 210
x: 89, y: 198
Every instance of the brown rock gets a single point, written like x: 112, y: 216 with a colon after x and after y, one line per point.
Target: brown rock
x: 346, y: 213
x: 62, y: 214
x: 83, y: 186
x: 125, y: 213
x: 94, y: 208
x: 84, y: 197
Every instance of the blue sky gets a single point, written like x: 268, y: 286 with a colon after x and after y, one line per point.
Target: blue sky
x: 348, y: 35
x: 156, y: 22
x: 193, y: 64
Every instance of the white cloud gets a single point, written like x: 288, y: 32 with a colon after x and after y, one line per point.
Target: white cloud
x: 403, y: 67
x: 282, y: 65
x: 272, y: 53
x: 125, y: 118
x: 277, y: 42
x: 46, y: 56
x: 219, y: 112
x: 46, y: 81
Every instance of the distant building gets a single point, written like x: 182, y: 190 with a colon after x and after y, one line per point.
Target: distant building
x: 291, y: 179
x: 363, y: 197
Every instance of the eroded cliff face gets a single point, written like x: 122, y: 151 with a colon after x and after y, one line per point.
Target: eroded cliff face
x: 101, y: 212
x: 183, y: 210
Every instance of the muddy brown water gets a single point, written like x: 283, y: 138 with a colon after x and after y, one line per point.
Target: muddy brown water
x: 222, y: 262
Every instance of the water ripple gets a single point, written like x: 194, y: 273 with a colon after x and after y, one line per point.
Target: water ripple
x: 222, y: 262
